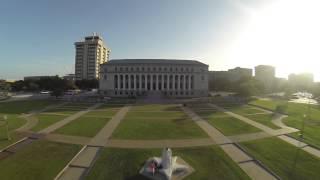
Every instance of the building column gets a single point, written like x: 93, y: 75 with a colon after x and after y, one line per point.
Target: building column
x: 135, y: 82
x: 178, y: 82
x: 123, y: 81
x: 140, y: 81
x: 168, y: 83
x: 162, y: 81
x: 119, y: 85
x: 151, y: 82
x: 146, y: 81
x: 173, y: 81
x: 157, y: 82
x: 184, y: 82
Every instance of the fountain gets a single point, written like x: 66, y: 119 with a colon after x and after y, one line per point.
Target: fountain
x: 166, y: 167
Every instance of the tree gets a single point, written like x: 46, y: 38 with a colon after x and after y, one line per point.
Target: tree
x: 87, y: 84
x: 57, y: 93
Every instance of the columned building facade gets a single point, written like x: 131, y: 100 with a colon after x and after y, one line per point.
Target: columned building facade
x: 135, y: 77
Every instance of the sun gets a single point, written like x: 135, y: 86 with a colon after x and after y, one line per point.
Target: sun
x: 286, y: 34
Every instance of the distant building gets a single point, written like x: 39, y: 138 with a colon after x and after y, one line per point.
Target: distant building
x: 172, y: 78
x: 70, y: 77
x: 266, y: 75
x: 231, y: 75
x: 36, y: 78
x: 90, y: 54
x: 302, y: 81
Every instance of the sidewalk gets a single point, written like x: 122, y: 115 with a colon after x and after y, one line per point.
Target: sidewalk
x: 65, y: 121
x: 246, y: 163
x: 78, y: 167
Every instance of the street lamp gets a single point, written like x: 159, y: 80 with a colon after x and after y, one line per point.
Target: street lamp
x: 5, y: 118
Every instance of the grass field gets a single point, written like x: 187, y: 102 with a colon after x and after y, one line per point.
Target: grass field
x: 231, y: 126
x: 280, y: 156
x: 208, y: 162
x: 40, y: 160
x: 4, y: 142
x: 18, y: 107
x: 223, y: 122
x: 46, y: 120
x: 91, y: 123
x: 83, y: 126
x: 297, y: 116
x: 265, y: 119
x: 161, y: 123
x: 13, y: 110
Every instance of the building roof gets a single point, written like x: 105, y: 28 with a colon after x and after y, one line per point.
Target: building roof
x: 155, y: 61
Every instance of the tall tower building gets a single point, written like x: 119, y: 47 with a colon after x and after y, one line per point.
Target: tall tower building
x: 90, y: 53
x: 266, y: 75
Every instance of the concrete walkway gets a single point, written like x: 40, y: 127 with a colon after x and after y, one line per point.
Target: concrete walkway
x: 280, y: 133
x: 245, y: 162
x: 31, y: 120
x: 264, y: 128
x: 81, y: 163
x: 67, y: 120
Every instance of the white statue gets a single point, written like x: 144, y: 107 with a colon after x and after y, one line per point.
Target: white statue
x: 165, y: 165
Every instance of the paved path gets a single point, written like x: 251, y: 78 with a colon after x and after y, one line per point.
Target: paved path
x: 79, y: 166
x: 280, y: 133
x: 67, y: 120
x: 32, y: 120
x: 264, y: 128
x: 246, y: 163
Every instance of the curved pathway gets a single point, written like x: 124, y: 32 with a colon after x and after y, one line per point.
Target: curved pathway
x: 32, y: 120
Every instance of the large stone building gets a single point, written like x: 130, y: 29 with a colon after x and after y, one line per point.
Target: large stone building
x: 90, y: 54
x: 266, y: 75
x: 232, y: 75
x: 134, y: 77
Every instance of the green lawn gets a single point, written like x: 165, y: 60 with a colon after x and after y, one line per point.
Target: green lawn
x: 84, y: 126
x: 157, y: 128
x: 14, y: 121
x: 280, y: 156
x: 264, y: 119
x: 105, y: 113
x: 13, y: 110
x: 45, y: 120
x: 296, y: 118
x: 156, y: 107
x: 245, y: 110
x: 4, y: 142
x: 18, y: 107
x: 157, y: 122
x: 208, y: 162
x: 232, y: 126
x: 210, y: 114
x: 40, y: 160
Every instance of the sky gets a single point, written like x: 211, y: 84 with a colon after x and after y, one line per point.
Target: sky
x: 37, y: 36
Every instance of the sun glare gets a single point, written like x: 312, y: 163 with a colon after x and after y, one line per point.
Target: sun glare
x: 285, y: 34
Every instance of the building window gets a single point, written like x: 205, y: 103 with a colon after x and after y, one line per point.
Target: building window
x: 202, y: 77
x: 105, y: 77
x: 142, y: 68
x: 127, y: 69
x: 116, y: 69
